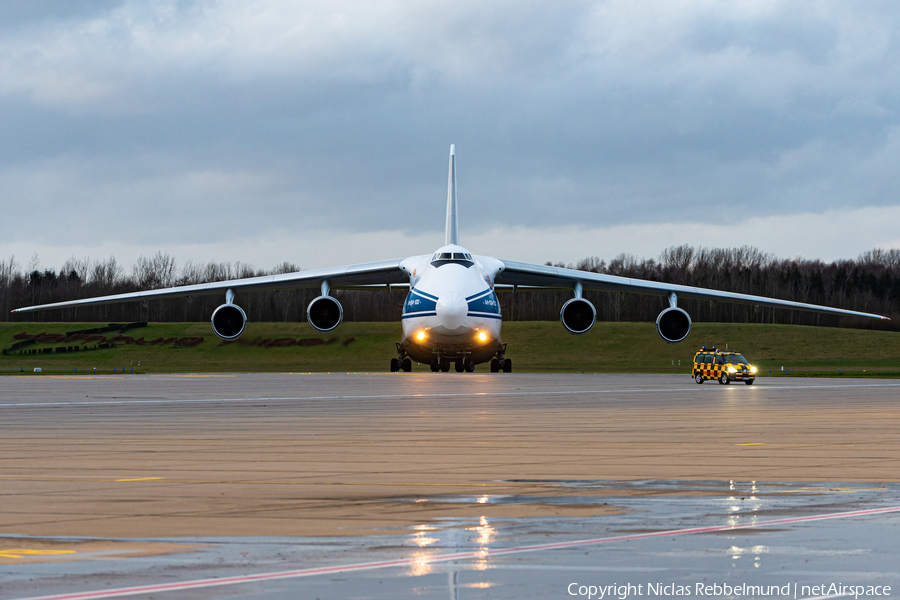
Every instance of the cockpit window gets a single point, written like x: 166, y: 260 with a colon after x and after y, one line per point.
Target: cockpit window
x: 460, y: 258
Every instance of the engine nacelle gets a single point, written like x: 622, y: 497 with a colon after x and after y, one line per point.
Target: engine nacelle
x: 324, y: 313
x: 229, y: 321
x: 578, y: 315
x: 673, y: 325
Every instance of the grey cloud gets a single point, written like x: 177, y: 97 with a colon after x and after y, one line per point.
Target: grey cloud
x: 218, y: 120
x: 796, y: 28
x: 29, y: 13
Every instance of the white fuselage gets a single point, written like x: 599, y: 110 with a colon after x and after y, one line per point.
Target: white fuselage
x: 451, y: 311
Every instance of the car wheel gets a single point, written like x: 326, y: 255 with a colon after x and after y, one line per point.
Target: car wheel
x: 699, y: 379
x: 724, y: 379
x: 749, y: 382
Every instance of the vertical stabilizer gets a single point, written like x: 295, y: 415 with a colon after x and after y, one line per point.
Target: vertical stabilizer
x: 451, y: 233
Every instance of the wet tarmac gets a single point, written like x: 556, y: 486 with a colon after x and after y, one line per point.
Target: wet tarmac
x: 840, y: 551
x: 531, y: 535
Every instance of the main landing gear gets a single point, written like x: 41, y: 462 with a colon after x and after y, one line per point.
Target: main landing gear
x: 501, y: 366
x: 398, y: 365
x: 401, y: 363
x: 501, y: 363
x: 439, y: 364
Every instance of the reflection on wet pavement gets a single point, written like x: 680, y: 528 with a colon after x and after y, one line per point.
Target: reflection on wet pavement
x: 861, y: 549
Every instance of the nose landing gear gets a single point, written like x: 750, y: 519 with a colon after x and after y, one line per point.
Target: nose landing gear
x: 439, y: 364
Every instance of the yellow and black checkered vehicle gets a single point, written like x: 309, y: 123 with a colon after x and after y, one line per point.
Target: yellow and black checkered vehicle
x: 724, y: 367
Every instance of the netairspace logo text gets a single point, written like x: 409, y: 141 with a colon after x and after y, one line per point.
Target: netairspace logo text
x: 792, y: 591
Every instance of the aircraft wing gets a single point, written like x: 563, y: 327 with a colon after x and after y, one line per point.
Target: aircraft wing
x: 374, y: 273
x: 533, y: 275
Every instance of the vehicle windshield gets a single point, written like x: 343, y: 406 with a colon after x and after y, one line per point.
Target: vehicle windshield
x: 737, y: 359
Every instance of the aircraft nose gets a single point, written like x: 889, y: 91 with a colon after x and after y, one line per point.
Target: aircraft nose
x: 452, y: 309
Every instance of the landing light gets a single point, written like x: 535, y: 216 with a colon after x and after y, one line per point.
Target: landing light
x: 482, y: 336
x: 420, y: 336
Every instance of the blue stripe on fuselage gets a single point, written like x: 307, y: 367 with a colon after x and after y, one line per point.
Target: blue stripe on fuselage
x: 485, y: 304
x: 418, y: 302
x: 416, y: 315
x: 481, y: 293
x: 423, y: 294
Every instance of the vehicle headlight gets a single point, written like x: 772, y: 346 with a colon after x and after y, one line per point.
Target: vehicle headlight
x: 753, y: 369
x: 732, y: 370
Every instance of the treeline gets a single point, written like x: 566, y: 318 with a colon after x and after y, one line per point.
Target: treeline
x: 870, y: 283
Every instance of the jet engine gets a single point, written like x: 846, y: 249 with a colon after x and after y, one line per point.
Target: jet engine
x: 578, y: 315
x: 324, y: 313
x: 229, y: 321
x: 673, y: 325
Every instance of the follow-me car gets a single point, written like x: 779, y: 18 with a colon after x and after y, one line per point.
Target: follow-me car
x: 451, y: 314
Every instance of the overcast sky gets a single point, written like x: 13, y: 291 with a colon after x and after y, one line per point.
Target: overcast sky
x: 318, y: 132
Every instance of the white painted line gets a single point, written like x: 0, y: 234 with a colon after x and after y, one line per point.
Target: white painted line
x: 403, y: 562
x: 437, y: 395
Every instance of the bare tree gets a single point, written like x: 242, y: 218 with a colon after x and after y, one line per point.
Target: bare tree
x: 157, y: 272
x: 8, y: 270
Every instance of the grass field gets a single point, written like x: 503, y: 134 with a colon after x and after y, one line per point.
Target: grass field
x: 533, y: 346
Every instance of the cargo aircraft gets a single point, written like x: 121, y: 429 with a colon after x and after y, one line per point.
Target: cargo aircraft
x: 451, y: 315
